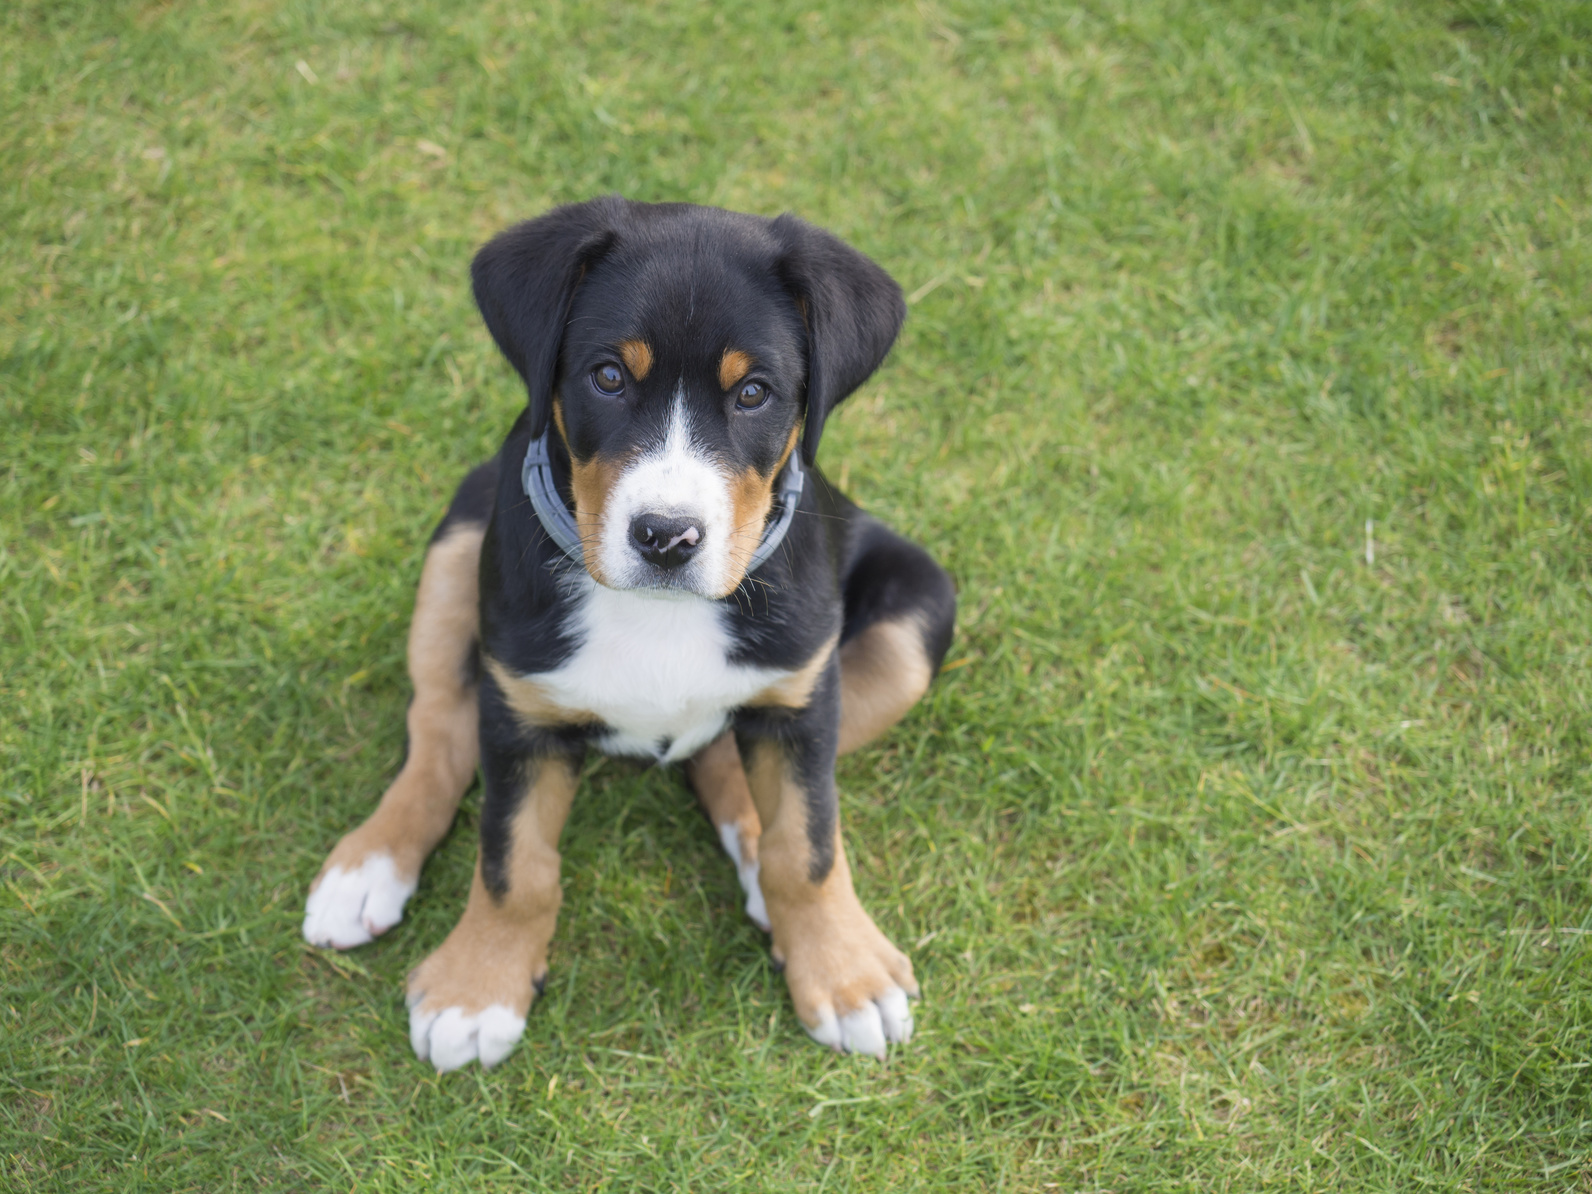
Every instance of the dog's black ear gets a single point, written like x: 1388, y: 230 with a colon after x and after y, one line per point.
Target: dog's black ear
x: 524, y: 281
x: 852, y: 308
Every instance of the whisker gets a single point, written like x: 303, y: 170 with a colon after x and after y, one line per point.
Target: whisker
x: 821, y: 514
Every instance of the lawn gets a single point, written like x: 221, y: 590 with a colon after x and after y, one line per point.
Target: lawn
x: 1244, y: 842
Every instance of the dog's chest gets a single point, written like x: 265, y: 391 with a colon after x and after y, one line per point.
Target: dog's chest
x: 655, y: 669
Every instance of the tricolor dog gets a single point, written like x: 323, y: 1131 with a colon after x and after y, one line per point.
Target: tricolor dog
x: 653, y: 566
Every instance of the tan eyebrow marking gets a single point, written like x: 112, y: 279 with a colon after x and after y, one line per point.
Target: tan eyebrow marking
x: 637, y: 355
x: 733, y: 366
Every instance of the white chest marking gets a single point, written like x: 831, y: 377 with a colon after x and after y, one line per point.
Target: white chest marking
x: 653, y: 665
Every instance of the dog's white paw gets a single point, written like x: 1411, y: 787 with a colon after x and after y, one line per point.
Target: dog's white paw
x: 884, y: 1021
x: 756, y: 910
x: 452, y: 1037
x: 349, y: 908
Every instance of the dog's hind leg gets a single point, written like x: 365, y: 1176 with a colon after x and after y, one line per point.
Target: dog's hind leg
x: 900, y: 611
x: 719, y: 780
x: 362, y: 887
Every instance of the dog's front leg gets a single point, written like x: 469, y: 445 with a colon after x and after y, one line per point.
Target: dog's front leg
x: 468, y: 1000
x: 849, y: 983
x: 719, y: 780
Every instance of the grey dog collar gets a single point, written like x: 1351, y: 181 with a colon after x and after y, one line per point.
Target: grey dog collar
x: 536, y: 477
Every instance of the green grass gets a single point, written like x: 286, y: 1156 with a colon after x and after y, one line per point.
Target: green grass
x: 1229, y: 858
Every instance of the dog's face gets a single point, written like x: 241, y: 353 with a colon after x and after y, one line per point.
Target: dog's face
x: 679, y: 396
x: 676, y: 351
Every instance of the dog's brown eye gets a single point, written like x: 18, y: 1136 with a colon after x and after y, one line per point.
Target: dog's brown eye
x: 608, y: 379
x: 753, y: 394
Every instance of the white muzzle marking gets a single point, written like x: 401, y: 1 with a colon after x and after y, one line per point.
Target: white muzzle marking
x: 680, y: 480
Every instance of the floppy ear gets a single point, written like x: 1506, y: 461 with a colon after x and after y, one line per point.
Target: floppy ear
x: 524, y: 281
x: 852, y: 308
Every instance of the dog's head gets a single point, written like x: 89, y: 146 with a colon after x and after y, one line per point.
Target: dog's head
x: 680, y: 353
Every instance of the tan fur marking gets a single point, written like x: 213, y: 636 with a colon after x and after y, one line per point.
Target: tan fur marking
x: 836, y: 959
x: 417, y: 809
x: 591, y: 480
x: 796, y: 689
x: 530, y: 701
x: 637, y: 356
x: 877, y: 675
x: 719, y: 781
x: 733, y: 366
x: 751, y: 496
x: 883, y: 672
x: 498, y: 950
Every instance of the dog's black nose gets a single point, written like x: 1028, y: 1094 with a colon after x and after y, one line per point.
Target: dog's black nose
x: 664, y: 541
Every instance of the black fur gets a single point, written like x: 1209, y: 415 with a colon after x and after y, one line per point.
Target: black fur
x: 472, y: 501
x: 853, y: 311
x: 524, y: 280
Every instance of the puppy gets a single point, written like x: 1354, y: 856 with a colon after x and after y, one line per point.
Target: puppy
x: 653, y: 566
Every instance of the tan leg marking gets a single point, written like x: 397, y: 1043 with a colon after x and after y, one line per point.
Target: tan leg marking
x: 468, y: 1000
x: 883, y: 672
x: 849, y: 983
x: 719, y: 781
x: 361, y: 889
x: 530, y: 701
x: 796, y: 689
